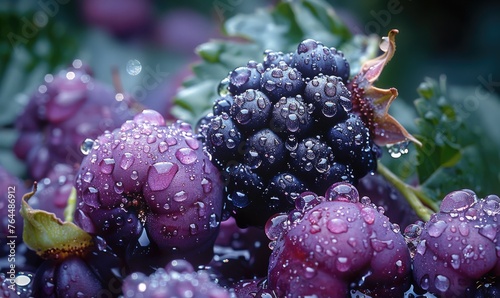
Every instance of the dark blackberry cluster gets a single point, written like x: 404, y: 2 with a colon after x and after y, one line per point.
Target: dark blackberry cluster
x: 284, y: 126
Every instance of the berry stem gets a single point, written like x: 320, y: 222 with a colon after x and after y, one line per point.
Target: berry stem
x: 71, y: 207
x: 415, y: 198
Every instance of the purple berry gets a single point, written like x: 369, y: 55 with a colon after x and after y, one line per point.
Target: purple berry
x: 457, y: 246
x: 330, y: 244
x: 152, y: 178
x: 67, y: 108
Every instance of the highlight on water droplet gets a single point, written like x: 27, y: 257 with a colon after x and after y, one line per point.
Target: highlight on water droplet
x: 86, y: 146
x: 398, y: 149
x: 134, y: 67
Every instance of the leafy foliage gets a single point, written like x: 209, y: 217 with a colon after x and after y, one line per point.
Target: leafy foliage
x: 460, y: 141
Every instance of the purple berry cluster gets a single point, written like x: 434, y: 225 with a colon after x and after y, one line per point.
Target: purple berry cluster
x: 151, y: 180
x: 66, y: 109
x: 283, y: 126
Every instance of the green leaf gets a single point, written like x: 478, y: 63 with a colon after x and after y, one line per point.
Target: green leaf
x: 279, y: 28
x: 50, y: 237
x: 461, y: 142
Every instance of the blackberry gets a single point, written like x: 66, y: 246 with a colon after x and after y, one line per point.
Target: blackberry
x: 300, y: 125
x: 251, y: 109
x: 245, y: 77
x: 350, y: 140
x: 329, y: 97
x: 313, y: 58
x: 265, y: 151
x: 291, y: 116
x: 272, y: 58
x: 281, y: 81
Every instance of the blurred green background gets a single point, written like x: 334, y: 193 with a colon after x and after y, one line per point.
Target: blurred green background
x: 459, y: 39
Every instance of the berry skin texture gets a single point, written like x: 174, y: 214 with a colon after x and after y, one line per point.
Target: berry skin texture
x: 330, y: 243
x: 152, y: 178
x: 458, y: 245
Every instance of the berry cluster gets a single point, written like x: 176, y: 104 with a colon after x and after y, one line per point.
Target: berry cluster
x: 284, y: 126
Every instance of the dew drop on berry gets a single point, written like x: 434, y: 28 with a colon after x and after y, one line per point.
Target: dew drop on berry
x: 162, y: 147
x: 206, y: 185
x: 275, y: 226
x: 87, y: 177
x: 337, y: 226
x: 91, y: 197
x: 192, y: 143
x: 161, y: 174
x: 492, y: 205
x: 368, y: 215
x: 489, y: 231
x: 186, y: 155
x: 107, y: 165
x: 180, y: 196
x: 127, y: 160
x: 442, y: 283
x: 223, y: 89
x: 455, y: 261
x: 87, y: 146
x: 119, y: 187
x: 425, y: 282
x: 437, y: 228
x: 343, y: 264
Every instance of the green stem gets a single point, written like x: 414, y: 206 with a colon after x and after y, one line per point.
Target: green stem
x: 425, y: 199
x: 408, y: 192
x: 71, y: 207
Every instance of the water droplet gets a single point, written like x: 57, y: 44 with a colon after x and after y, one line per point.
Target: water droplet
x: 166, y: 206
x: 134, y: 67
x: 368, y: 215
x: 275, y: 226
x: 161, y: 174
x: 455, y: 261
x: 337, y: 225
x: 162, y: 147
x: 193, y: 229
x: 488, y: 231
x: 442, y: 283
x: 380, y: 245
x: 309, y: 272
x: 436, y: 229
x: 492, y: 205
x: 398, y: 149
x: 343, y: 264
x: 88, y: 176
x: 186, y: 155
x: 192, y: 143
x: 206, y: 185
x: 425, y: 282
x: 91, y: 197
x: 119, y: 187
x: 134, y: 175
x: 126, y: 160
x: 222, y: 89
x: 87, y: 146
x: 107, y: 165
x: 180, y: 196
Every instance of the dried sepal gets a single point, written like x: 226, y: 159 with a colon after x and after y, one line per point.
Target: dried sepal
x: 372, y: 103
